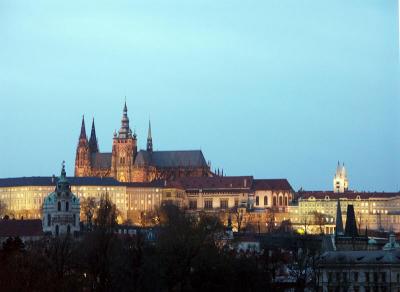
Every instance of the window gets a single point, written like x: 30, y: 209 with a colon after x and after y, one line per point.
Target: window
x: 280, y: 201
x: 236, y: 203
x: 375, y: 277
x: 265, y: 201
x: 329, y: 277
x: 383, y: 275
x: 168, y: 194
x: 66, y: 206
x: 193, y: 204
x: 286, y: 201
x: 74, y: 220
x: 57, y: 230
x: 274, y: 202
x: 48, y: 220
x: 224, y: 204
x: 257, y: 201
x: 208, y: 204
x: 68, y: 229
x: 355, y: 277
x: 59, y: 207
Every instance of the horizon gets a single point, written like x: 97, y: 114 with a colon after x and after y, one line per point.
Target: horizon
x: 285, y: 92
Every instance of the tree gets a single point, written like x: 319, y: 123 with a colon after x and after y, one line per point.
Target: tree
x: 88, y: 206
x: 3, y: 209
x: 319, y: 219
x: 238, y: 214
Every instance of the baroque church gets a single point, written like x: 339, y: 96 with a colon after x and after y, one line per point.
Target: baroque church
x: 126, y: 164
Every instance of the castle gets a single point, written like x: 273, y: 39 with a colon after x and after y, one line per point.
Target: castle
x: 126, y: 164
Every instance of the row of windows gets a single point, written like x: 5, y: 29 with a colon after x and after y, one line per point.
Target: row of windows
x: 281, y: 201
x: 208, y: 204
x: 368, y: 277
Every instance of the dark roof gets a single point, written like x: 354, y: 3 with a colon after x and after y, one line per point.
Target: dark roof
x: 351, y: 195
x: 153, y: 184
x: 364, y: 257
x: 101, y: 160
x: 272, y: 184
x: 20, y: 228
x: 51, y: 181
x: 218, y: 183
x: 167, y: 159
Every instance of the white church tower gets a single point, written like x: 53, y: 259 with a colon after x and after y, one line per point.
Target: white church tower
x: 340, y: 181
x: 61, y: 209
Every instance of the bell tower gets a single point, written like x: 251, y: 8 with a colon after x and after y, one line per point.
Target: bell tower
x: 124, y: 150
x: 340, y: 181
x: 82, y: 159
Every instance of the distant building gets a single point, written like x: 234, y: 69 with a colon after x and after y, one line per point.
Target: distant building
x: 128, y: 164
x: 26, y: 230
x: 316, y: 210
x: 61, y: 209
x: 340, y: 181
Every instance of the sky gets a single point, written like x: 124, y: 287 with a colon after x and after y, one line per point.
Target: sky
x: 274, y: 89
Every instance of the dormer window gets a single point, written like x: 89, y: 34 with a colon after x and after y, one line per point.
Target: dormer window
x: 326, y: 197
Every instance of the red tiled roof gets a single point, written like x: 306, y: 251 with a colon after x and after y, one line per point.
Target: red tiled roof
x: 216, y: 183
x: 272, y: 184
x: 20, y: 228
x: 351, y: 195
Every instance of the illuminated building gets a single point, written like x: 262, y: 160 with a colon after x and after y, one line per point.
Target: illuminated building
x: 128, y: 164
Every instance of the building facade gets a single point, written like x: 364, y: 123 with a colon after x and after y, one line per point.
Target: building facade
x: 61, y: 209
x: 126, y: 164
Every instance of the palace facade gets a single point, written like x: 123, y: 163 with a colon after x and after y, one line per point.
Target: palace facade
x: 128, y: 164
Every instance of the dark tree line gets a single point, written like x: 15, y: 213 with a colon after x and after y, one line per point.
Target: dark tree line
x: 187, y: 256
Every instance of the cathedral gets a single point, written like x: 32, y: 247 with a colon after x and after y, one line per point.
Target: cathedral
x: 126, y: 164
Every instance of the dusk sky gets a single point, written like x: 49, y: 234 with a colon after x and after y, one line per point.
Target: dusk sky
x: 274, y: 89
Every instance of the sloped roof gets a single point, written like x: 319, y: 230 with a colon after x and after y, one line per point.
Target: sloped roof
x: 218, y: 183
x: 351, y: 195
x: 167, y: 159
x: 51, y: 181
x: 272, y: 184
x: 101, y: 160
x: 370, y: 257
x: 20, y: 228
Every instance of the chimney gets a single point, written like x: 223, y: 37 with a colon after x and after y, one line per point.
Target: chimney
x: 245, y: 183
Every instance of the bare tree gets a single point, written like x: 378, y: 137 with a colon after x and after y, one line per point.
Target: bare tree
x: 3, y: 209
x: 319, y: 219
x: 88, y: 207
x: 238, y: 214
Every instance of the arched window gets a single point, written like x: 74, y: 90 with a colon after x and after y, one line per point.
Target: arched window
x: 286, y: 201
x: 66, y: 206
x: 257, y: 200
x: 48, y: 220
x: 68, y: 229
x: 265, y: 201
x: 57, y: 230
x: 59, y: 206
x: 274, y: 202
x: 280, y: 201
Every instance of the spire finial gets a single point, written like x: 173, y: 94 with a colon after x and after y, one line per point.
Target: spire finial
x: 93, y: 144
x: 149, y: 139
x: 83, y: 129
x: 63, y: 173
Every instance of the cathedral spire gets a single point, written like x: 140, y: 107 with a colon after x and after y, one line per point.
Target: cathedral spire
x: 149, y: 139
x: 339, y: 221
x: 93, y: 144
x: 125, y: 132
x: 83, y: 129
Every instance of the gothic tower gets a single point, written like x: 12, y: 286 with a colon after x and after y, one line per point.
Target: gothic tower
x: 93, y: 144
x: 124, y: 150
x: 340, y: 181
x: 149, y: 147
x: 82, y: 160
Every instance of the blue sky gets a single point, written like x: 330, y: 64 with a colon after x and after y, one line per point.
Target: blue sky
x: 281, y: 88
